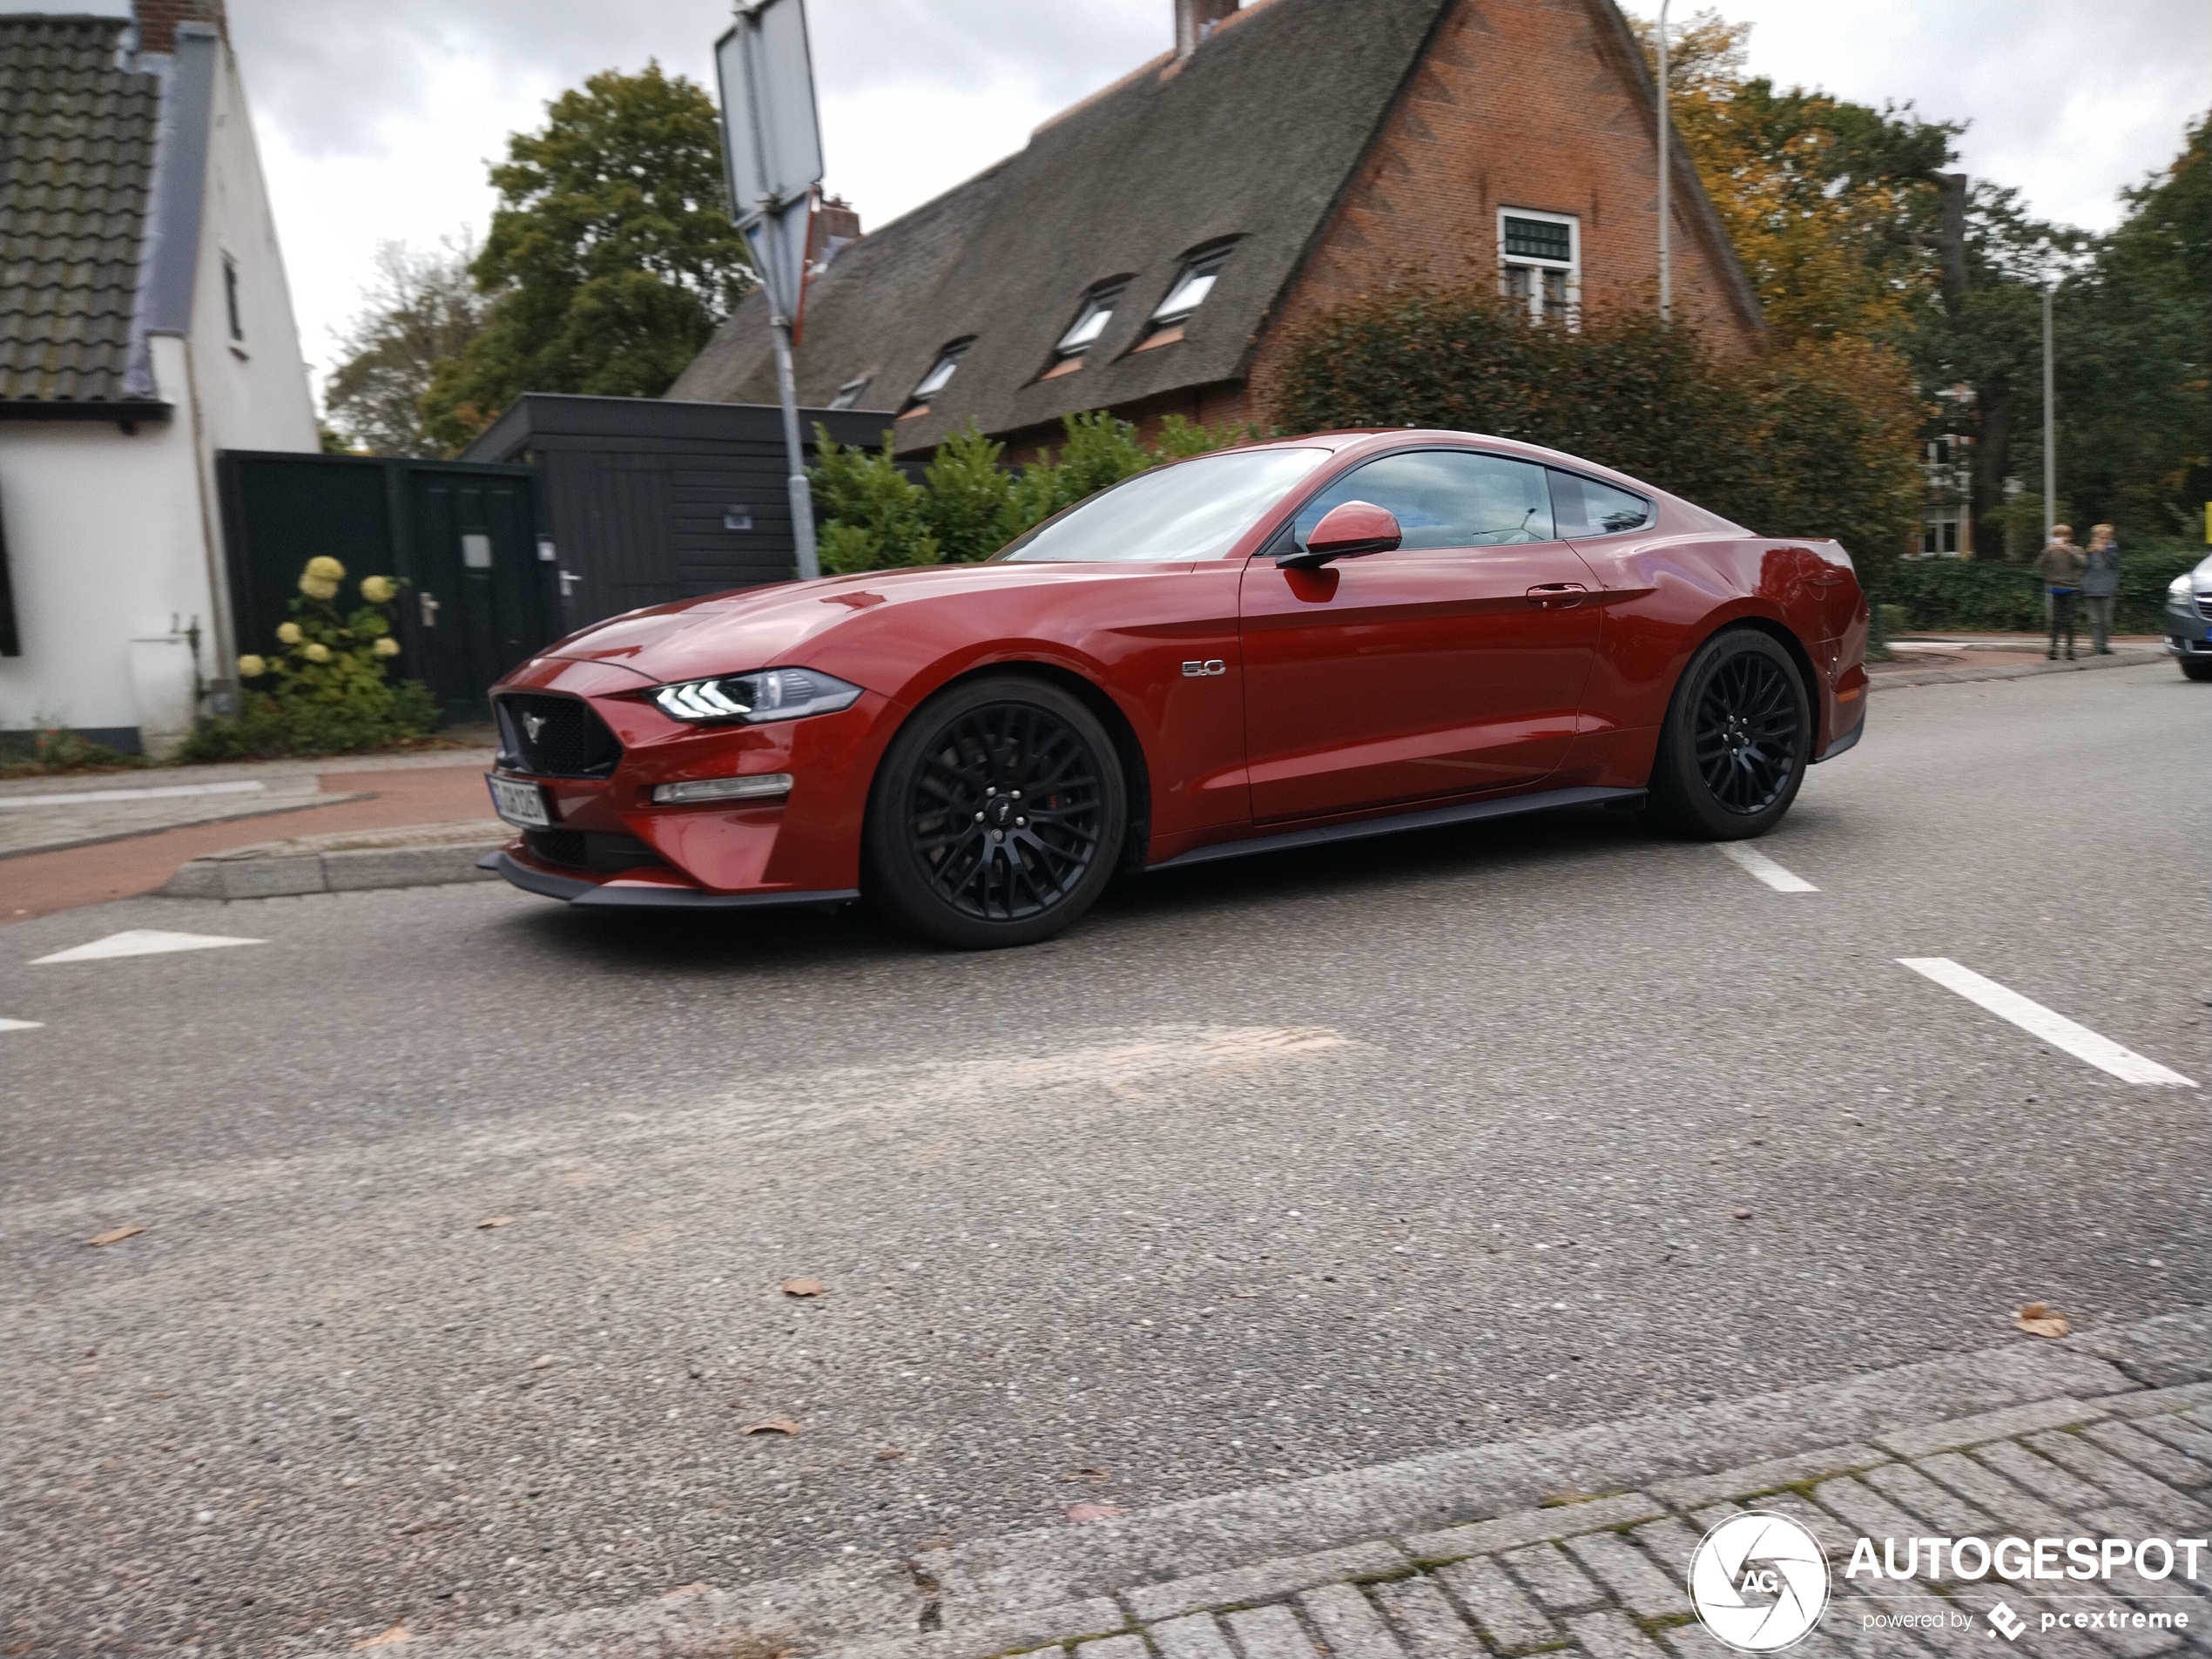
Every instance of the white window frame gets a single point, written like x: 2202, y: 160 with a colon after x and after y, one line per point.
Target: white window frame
x: 1572, y: 265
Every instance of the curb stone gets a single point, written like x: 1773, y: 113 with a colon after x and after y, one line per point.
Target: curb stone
x: 1880, y: 676
x: 1255, y: 1562
x: 425, y: 855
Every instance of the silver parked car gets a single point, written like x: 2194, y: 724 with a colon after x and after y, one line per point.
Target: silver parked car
x: 2188, y: 620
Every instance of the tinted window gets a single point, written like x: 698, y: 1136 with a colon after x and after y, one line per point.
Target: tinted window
x: 1446, y: 498
x: 1195, y: 510
x: 1588, y: 508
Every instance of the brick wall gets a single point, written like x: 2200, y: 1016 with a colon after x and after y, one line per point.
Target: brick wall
x: 1517, y: 103
x: 158, y: 21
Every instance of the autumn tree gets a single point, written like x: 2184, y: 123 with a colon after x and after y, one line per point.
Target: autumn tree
x: 610, y: 258
x: 2135, y: 357
x: 418, y: 308
x: 1852, y: 226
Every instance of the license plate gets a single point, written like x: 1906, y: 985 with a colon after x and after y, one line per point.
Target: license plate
x: 522, y: 804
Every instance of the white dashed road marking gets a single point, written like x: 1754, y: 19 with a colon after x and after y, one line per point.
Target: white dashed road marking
x: 1740, y: 853
x: 22, y: 1025
x: 2040, y: 1022
x: 143, y: 942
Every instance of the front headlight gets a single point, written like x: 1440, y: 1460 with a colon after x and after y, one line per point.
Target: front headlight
x: 2178, y: 589
x: 751, y: 699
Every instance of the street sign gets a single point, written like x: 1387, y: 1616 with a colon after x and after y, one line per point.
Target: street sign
x: 778, y: 244
x: 772, y: 149
x: 771, y: 137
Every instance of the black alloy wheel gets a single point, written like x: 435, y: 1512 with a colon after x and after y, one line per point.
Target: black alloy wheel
x: 997, y: 815
x: 1736, y: 742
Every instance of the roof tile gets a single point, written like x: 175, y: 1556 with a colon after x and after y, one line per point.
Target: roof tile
x: 72, y: 205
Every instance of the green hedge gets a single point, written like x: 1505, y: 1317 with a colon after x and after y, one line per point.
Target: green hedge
x: 1990, y: 597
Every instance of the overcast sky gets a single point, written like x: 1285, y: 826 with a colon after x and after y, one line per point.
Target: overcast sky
x: 375, y: 121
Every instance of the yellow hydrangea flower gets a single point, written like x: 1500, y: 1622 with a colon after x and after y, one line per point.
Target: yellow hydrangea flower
x: 387, y: 646
x: 380, y: 589
x: 317, y: 587
x: 288, y: 632
x: 326, y: 569
x: 317, y: 653
x: 250, y: 667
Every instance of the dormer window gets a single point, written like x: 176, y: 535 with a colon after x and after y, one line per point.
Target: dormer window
x: 1191, y: 286
x: 939, y: 375
x: 849, y: 394
x: 1091, y: 318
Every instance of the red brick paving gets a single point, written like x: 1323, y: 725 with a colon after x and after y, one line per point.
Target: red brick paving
x: 38, y: 884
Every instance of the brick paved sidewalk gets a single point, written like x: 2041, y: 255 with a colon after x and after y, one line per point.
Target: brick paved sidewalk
x: 1576, y: 1544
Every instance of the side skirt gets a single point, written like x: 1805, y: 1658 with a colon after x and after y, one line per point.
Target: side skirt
x: 594, y: 895
x: 1468, y: 813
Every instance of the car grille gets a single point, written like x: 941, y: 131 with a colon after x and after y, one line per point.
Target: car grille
x: 590, y: 850
x: 569, y: 740
x: 2204, y: 606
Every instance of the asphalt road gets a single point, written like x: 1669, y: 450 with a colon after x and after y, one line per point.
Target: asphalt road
x: 1266, y: 1170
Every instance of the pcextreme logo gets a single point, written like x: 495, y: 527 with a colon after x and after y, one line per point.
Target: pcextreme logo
x: 1759, y: 1581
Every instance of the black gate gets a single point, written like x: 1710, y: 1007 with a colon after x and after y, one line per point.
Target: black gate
x: 462, y: 536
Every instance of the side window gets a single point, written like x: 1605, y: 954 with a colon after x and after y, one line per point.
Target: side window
x: 1444, y: 498
x: 1587, y: 507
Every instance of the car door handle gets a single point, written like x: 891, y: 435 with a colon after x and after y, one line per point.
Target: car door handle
x: 1556, y: 595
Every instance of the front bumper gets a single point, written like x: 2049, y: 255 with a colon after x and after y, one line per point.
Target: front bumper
x: 2189, y: 631
x: 621, y: 893
x: 609, y: 844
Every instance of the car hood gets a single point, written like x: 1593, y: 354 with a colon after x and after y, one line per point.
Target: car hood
x: 784, y: 623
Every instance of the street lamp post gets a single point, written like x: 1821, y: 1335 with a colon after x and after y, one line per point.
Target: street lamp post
x: 2050, y: 427
x: 1666, y: 264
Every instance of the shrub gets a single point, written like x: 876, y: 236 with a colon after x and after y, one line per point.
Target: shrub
x: 1817, y: 440
x: 968, y: 506
x: 1988, y: 597
x: 330, y: 690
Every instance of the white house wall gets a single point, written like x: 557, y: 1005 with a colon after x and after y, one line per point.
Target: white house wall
x: 105, y: 546
x: 249, y: 392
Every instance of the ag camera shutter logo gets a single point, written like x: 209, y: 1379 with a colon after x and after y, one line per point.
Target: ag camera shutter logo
x: 1759, y: 1581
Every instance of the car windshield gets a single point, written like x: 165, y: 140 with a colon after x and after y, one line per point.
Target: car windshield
x: 1195, y: 510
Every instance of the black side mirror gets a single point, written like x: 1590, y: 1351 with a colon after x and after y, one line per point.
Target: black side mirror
x: 1345, y: 530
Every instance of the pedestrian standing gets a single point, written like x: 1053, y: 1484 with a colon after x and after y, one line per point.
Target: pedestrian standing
x: 2100, y: 585
x: 2061, y: 565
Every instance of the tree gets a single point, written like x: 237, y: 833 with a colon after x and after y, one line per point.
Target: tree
x: 610, y: 258
x: 1851, y: 227
x: 417, y: 309
x: 2135, y: 357
x: 1814, y: 440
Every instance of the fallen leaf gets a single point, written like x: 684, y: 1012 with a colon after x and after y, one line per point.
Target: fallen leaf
x: 887, y: 1454
x: 2040, y: 1320
x: 802, y: 1287
x: 397, y: 1633
x: 542, y: 1361
x: 114, y: 1237
x: 1740, y: 1215
x: 493, y: 1221
x: 772, y: 1426
x: 1093, y: 1511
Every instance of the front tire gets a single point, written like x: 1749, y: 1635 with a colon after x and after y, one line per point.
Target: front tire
x: 1737, y: 739
x: 997, y: 815
x: 2197, y: 668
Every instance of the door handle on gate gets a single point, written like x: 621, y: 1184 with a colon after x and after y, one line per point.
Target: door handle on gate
x: 1556, y: 595
x: 429, y: 605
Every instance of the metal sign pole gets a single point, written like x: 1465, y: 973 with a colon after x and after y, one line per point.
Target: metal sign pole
x: 2050, y: 428
x: 772, y: 153
x: 1666, y: 262
x: 802, y: 497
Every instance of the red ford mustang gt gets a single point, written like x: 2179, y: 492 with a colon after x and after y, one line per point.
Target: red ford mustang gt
x: 1271, y: 646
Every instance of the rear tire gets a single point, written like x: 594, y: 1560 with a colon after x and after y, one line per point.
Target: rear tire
x: 1737, y: 738
x: 997, y: 815
x: 2197, y: 668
